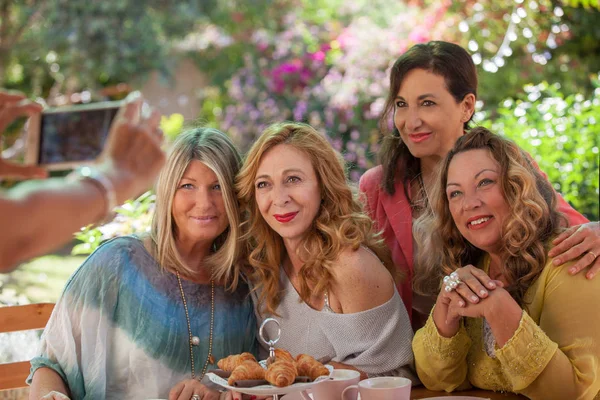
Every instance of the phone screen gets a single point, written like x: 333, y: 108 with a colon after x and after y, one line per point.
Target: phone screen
x: 74, y: 136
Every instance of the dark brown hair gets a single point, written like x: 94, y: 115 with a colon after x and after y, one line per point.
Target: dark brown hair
x: 441, y: 58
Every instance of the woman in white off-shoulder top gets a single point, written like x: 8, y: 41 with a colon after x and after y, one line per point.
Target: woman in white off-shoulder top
x: 314, y: 262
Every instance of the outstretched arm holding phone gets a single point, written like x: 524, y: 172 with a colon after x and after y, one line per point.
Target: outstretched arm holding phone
x: 38, y: 216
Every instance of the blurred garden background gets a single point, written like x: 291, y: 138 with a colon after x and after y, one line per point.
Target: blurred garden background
x: 241, y: 65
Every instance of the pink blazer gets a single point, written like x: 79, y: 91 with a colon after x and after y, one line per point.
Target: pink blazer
x: 392, y: 215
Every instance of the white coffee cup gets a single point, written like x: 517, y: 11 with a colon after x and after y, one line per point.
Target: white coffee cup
x: 381, y: 388
x: 331, y: 389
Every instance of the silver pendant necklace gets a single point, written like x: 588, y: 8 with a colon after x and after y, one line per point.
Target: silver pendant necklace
x: 195, y: 340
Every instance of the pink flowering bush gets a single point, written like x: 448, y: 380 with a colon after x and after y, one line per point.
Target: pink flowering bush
x: 333, y: 76
x: 327, y: 63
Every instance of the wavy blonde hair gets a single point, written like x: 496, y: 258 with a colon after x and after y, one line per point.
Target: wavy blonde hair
x: 533, y: 220
x: 339, y: 224
x: 217, y: 152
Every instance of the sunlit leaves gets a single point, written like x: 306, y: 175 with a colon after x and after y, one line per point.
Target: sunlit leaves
x: 583, y: 3
x: 562, y: 134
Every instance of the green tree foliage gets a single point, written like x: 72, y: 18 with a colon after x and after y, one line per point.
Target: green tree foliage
x: 19, y: 42
x: 326, y: 62
x: 562, y: 134
x: 95, y: 42
x: 516, y: 43
x: 587, y: 4
x: 98, y: 43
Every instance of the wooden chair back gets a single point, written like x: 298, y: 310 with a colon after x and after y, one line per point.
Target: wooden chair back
x: 21, y: 318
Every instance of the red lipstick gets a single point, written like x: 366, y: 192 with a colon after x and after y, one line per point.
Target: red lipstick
x: 419, y: 137
x: 283, y: 218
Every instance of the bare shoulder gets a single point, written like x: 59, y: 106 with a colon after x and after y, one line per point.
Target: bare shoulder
x: 361, y: 264
x: 361, y: 280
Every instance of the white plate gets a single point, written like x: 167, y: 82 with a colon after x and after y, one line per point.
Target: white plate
x: 456, y: 398
x: 268, y: 390
x: 296, y: 396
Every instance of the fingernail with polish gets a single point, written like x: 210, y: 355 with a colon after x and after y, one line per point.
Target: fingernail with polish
x: 556, y: 261
x: 492, y: 285
x: 474, y: 298
x: 572, y: 270
x: 483, y: 292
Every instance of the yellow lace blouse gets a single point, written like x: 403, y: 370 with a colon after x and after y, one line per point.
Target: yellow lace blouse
x: 554, y: 353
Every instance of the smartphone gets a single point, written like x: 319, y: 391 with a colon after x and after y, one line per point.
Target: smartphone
x: 66, y: 137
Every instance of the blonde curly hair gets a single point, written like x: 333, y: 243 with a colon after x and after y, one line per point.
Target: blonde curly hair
x: 533, y: 220
x: 339, y: 224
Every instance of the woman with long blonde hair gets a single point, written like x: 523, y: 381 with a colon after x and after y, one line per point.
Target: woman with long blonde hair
x: 146, y: 317
x: 536, y: 330
x: 314, y: 261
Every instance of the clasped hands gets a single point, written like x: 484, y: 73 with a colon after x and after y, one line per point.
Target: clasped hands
x: 476, y: 296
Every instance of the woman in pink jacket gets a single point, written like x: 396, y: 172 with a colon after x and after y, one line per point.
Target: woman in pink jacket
x: 433, y: 91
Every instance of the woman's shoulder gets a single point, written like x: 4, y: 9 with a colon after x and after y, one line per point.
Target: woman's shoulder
x: 371, y: 185
x: 359, y: 266
x: 116, y: 253
x: 121, y: 246
x: 105, y: 266
x: 370, y: 181
x: 558, y: 284
x: 553, y: 275
x: 361, y: 282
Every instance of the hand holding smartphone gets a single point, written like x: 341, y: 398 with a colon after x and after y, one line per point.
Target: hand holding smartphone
x: 132, y: 156
x: 126, y: 166
x: 122, y: 139
x: 66, y: 137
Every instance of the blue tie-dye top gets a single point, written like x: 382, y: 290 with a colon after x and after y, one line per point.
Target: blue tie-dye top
x: 119, y: 329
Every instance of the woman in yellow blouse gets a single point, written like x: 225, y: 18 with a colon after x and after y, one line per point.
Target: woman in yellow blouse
x: 537, y: 331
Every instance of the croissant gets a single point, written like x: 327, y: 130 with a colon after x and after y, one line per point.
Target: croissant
x: 230, y: 363
x: 249, y: 369
x: 281, y: 354
x: 281, y: 373
x: 308, y: 366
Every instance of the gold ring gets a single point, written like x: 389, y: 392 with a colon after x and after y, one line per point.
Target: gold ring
x: 593, y: 254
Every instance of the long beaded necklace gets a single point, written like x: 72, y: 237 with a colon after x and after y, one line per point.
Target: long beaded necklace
x: 195, y: 340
